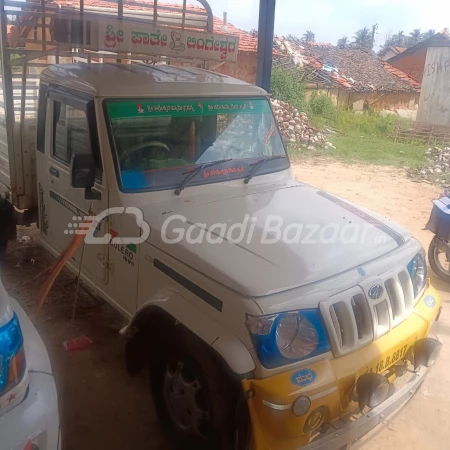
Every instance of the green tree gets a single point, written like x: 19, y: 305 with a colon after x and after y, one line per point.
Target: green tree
x: 363, y: 38
x: 428, y: 34
x: 285, y: 85
x: 342, y: 42
x: 414, y: 37
x: 294, y: 39
x: 309, y: 36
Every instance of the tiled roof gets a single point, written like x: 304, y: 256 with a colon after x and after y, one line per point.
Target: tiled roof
x: 352, y: 68
x: 398, y: 50
x: 247, y: 43
x: 402, y: 75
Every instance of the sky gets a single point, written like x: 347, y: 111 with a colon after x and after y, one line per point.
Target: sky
x: 333, y: 19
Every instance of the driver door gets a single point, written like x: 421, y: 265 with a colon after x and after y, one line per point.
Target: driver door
x: 74, y: 131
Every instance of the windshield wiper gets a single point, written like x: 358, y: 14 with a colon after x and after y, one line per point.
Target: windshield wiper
x: 258, y: 164
x: 195, y: 171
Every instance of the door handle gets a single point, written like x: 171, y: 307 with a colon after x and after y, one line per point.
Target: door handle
x: 53, y: 172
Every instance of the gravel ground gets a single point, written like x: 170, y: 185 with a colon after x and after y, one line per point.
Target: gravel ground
x: 102, y: 408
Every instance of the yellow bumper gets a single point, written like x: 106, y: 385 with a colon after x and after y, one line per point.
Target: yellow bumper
x: 329, y: 383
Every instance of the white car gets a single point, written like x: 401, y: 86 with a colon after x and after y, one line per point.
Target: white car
x: 29, y: 418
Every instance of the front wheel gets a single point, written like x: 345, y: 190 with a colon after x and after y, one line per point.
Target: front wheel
x: 439, y: 260
x: 194, y: 398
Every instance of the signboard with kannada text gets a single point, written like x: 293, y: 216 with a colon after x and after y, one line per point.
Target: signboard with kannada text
x: 133, y: 37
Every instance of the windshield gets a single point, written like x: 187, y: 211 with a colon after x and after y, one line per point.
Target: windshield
x: 158, y: 142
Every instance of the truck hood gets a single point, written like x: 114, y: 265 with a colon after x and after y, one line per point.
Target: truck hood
x: 292, y: 237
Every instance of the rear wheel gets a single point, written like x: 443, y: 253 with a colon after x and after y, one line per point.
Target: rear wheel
x: 439, y: 260
x: 194, y: 398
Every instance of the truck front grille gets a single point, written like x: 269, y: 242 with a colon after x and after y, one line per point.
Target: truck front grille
x: 353, y: 319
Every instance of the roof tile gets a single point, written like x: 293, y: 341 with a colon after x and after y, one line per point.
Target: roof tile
x: 353, y: 68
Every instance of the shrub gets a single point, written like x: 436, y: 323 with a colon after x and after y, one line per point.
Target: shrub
x: 286, y: 86
x: 368, y: 123
x: 322, y: 106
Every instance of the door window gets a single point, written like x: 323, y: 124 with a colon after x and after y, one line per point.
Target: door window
x: 71, y: 135
x: 71, y: 132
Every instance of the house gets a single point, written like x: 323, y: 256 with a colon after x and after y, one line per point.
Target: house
x: 353, y: 77
x: 412, y: 60
x: 244, y: 68
x: 392, y: 51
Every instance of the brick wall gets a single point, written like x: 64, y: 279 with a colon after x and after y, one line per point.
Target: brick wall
x: 243, y: 69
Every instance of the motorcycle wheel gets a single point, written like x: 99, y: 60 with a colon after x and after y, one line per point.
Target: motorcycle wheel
x: 439, y: 261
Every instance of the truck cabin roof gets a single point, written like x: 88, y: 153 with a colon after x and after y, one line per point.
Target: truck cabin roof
x: 135, y: 80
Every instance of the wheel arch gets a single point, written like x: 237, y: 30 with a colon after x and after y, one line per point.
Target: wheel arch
x: 169, y: 309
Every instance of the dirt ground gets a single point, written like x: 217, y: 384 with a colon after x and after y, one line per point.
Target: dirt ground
x: 102, y: 408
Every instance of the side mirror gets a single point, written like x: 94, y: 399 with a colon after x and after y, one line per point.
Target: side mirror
x: 82, y: 175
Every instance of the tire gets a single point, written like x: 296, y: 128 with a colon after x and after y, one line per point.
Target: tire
x: 433, y: 259
x: 7, y: 225
x: 194, y: 397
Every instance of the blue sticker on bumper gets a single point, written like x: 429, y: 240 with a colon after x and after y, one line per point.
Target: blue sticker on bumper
x: 430, y: 301
x: 303, y: 377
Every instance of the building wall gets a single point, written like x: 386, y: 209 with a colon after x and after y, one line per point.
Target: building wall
x: 413, y: 64
x: 434, y: 105
x: 243, y: 69
x: 383, y: 100
x: 377, y: 100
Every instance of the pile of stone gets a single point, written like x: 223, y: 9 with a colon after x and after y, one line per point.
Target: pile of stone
x: 296, y: 126
x: 436, y: 168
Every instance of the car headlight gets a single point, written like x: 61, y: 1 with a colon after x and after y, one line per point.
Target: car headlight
x: 284, y: 338
x: 12, y: 357
x: 417, y: 269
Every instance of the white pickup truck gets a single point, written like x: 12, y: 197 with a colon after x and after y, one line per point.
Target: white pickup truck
x: 268, y: 313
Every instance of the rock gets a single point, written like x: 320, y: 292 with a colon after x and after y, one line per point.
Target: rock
x: 437, y: 170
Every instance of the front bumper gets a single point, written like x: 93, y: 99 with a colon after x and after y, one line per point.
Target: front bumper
x: 329, y: 384
x: 356, y: 433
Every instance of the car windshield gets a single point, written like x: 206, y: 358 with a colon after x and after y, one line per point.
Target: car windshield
x: 158, y: 142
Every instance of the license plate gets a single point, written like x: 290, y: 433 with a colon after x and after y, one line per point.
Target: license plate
x: 389, y: 360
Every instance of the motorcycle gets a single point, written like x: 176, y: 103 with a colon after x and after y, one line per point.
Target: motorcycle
x: 439, y: 224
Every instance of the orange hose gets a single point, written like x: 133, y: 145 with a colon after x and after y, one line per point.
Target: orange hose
x: 59, y: 265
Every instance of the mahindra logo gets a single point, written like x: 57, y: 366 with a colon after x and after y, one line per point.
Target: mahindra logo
x: 375, y: 292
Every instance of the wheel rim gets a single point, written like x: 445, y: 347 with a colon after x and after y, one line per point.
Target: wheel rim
x: 442, y: 260
x: 186, y: 399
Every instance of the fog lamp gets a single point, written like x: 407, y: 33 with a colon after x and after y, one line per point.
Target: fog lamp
x: 372, y: 389
x: 426, y: 352
x: 301, y: 406
x: 315, y: 419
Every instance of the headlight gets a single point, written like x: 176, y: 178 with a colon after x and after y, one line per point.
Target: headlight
x: 288, y: 337
x: 12, y: 358
x: 417, y: 269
